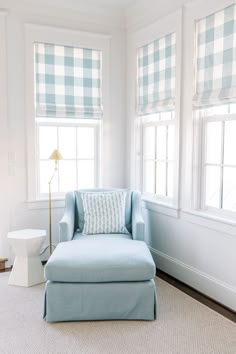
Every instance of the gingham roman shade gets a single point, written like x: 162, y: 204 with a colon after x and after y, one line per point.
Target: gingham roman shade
x: 216, y: 58
x: 156, y: 64
x: 67, y: 82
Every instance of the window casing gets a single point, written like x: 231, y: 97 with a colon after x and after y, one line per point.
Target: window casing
x: 67, y: 93
x: 157, y: 111
x: 214, y: 188
x: 41, y: 34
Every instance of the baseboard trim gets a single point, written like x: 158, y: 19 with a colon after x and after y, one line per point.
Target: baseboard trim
x: 202, y: 282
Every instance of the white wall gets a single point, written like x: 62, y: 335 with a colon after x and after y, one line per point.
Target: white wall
x: 143, y: 13
x: 15, y: 212
x: 197, y: 250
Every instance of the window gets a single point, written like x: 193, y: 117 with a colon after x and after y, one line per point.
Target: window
x: 156, y: 107
x: 158, y: 154
x: 215, y: 110
x: 68, y: 106
x: 218, y: 165
x: 79, y: 146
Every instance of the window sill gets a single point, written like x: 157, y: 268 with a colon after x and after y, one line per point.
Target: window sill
x: 210, y: 221
x: 160, y: 207
x: 43, y: 203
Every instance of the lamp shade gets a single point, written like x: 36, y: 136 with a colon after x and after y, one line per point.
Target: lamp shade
x: 55, y: 155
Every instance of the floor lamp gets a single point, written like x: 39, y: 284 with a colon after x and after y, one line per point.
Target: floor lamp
x: 55, y: 156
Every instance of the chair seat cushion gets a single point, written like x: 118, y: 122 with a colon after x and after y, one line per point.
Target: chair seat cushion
x: 96, y: 259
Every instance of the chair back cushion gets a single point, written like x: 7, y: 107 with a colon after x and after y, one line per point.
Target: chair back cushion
x: 80, y: 209
x: 104, y: 212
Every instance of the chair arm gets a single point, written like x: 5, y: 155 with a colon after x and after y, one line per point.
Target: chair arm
x: 67, y: 223
x: 66, y: 228
x: 137, y: 219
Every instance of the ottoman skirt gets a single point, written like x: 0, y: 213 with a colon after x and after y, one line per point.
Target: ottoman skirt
x: 100, y: 301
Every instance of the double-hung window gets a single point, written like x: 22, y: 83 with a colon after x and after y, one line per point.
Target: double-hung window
x: 68, y: 111
x: 156, y: 72
x: 215, y: 110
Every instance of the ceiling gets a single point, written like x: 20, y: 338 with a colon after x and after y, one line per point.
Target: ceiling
x: 117, y: 13
x: 122, y: 4
x: 102, y: 4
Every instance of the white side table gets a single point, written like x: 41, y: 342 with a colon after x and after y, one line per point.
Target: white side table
x: 27, y: 269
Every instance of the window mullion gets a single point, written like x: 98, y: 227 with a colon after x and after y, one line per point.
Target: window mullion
x: 155, y: 165
x: 38, y: 160
x: 143, y: 158
x: 96, y: 157
x: 58, y: 172
x: 141, y: 172
x: 201, y: 202
x: 76, y: 157
x: 167, y: 136
x: 222, y: 164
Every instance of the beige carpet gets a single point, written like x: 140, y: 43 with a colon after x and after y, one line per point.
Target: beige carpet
x: 183, y: 326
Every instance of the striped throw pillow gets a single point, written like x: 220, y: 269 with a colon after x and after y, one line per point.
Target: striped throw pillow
x: 104, y: 212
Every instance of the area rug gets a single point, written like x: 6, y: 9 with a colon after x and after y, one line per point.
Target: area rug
x: 183, y: 326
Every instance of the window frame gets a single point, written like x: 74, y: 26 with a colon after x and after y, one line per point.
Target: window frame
x: 66, y: 37
x: 193, y: 189
x: 164, y: 26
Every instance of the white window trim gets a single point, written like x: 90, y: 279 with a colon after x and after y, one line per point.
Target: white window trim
x: 161, y: 208
x: 57, y: 203
x: 37, y: 33
x: 166, y: 25
x: 210, y: 221
x: 191, y: 208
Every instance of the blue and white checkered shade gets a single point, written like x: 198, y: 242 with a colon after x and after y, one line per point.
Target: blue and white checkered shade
x: 216, y: 58
x: 67, y: 82
x: 156, y: 63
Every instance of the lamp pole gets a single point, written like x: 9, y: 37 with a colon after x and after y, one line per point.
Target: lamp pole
x: 56, y: 156
x: 50, y: 208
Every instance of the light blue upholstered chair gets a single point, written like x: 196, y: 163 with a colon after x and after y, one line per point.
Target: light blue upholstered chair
x: 71, y: 225
x: 100, y: 277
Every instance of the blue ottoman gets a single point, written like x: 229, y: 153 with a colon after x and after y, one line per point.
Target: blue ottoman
x: 100, y: 278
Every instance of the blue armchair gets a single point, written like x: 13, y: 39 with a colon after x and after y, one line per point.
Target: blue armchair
x: 100, y: 277
x: 70, y: 226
